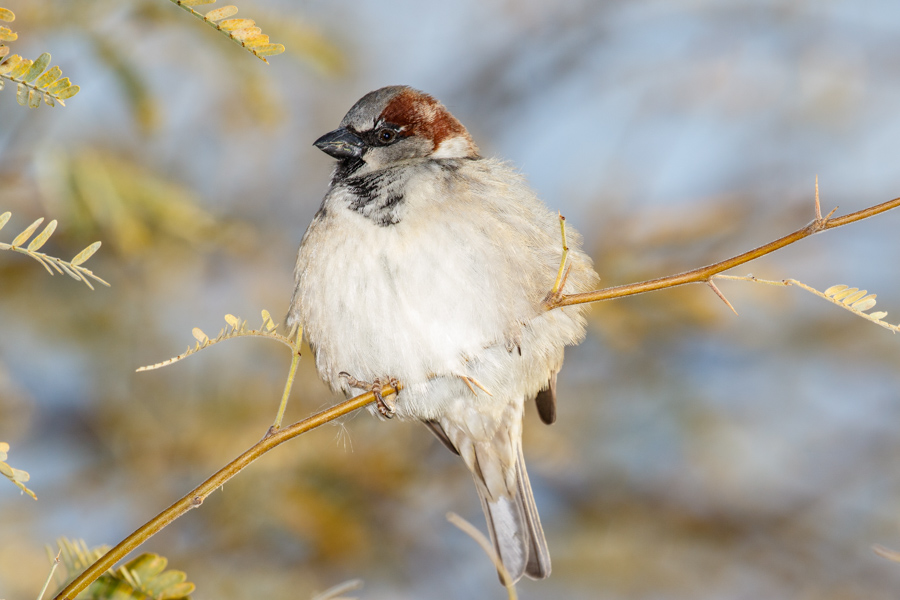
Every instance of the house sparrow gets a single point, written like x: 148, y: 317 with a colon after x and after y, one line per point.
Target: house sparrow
x: 427, y: 265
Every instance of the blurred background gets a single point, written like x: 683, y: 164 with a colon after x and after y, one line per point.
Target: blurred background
x: 697, y: 454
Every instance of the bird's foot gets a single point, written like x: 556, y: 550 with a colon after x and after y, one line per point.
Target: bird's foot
x: 386, y: 406
x: 472, y: 383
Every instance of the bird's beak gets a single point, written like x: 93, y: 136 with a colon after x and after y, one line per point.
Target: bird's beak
x: 341, y: 143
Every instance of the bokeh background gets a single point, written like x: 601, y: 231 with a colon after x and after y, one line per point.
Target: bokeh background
x: 697, y: 454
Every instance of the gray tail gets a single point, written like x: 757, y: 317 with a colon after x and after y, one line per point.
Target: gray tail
x: 515, y: 529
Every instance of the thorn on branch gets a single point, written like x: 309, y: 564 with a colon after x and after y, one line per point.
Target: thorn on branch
x: 712, y: 286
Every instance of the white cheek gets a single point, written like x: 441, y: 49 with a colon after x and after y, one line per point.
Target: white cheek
x: 455, y: 147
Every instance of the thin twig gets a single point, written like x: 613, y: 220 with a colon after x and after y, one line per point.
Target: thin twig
x: 482, y: 541
x: 703, y: 274
x: 196, y: 497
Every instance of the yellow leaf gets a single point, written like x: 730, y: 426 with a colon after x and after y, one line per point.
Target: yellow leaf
x: 85, y: 254
x: 854, y: 297
x: 59, y: 85
x: 268, y: 50
x: 6, y: 15
x: 843, y: 294
x: 22, y: 237
x: 49, y: 101
x: 220, y: 13
x: 37, y: 67
x: 10, y: 63
x: 256, y: 40
x: 195, y: 2
x: 835, y: 289
x: 864, y: 304
x: 4, y: 50
x: 20, y: 69
x: 243, y: 34
x: 235, y: 24
x: 7, y: 35
x: 232, y: 320
x: 34, y: 99
x: 199, y: 335
x: 878, y: 315
x: 68, y: 92
x: 48, y: 77
x: 42, y: 238
x: 3, y: 220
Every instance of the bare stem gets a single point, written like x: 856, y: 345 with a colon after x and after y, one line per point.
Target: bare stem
x: 703, y: 274
x: 196, y: 497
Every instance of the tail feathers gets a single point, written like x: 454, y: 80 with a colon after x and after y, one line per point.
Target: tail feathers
x: 515, y: 529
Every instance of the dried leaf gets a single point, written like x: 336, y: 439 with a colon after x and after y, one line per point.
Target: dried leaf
x: 235, y: 24
x: 224, y: 12
x: 68, y: 92
x: 34, y: 99
x: 48, y: 77
x: 260, y: 39
x: 22, y: 94
x: 7, y: 35
x: 864, y: 304
x: 243, y: 34
x: 6, y: 15
x: 835, y: 289
x: 232, y: 320
x: 845, y: 293
x: 37, y: 67
x: 4, y: 218
x: 199, y: 335
x: 42, y: 238
x: 268, y: 50
x: 20, y: 69
x: 4, y: 50
x: 85, y: 254
x: 59, y: 85
x: 854, y: 297
x: 878, y: 315
x: 195, y: 2
x: 10, y: 63
x: 27, y: 233
x: 4, y: 449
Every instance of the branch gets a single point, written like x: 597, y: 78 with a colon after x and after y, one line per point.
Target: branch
x: 196, y: 497
x: 703, y: 274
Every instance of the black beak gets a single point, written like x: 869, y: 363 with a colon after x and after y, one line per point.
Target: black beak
x: 341, y: 143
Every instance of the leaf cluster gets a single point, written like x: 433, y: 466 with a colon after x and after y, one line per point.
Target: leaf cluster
x: 142, y: 578
x: 17, y: 476
x: 72, y: 268
x: 35, y: 82
x: 243, y: 32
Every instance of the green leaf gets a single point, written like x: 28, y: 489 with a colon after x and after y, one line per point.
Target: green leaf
x: 37, y: 67
x: 42, y: 238
x: 221, y: 13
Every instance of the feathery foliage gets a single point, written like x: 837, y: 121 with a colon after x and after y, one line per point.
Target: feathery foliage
x: 236, y: 328
x: 71, y: 268
x: 142, y: 578
x: 855, y: 300
x: 35, y: 82
x: 17, y: 476
x: 243, y: 32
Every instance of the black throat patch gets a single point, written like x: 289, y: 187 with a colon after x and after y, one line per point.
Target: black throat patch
x: 376, y: 196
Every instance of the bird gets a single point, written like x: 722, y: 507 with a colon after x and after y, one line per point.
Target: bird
x: 428, y: 266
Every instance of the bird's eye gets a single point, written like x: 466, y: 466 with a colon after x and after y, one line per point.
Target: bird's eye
x: 386, y: 135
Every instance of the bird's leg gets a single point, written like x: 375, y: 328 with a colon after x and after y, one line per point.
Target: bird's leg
x: 386, y: 406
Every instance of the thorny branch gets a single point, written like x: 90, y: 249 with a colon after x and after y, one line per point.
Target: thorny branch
x: 276, y: 437
x: 703, y: 274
